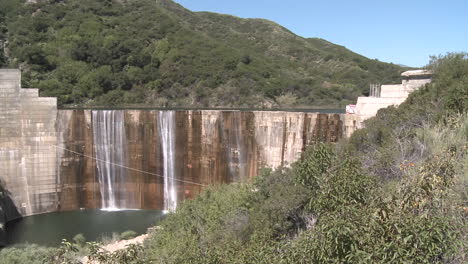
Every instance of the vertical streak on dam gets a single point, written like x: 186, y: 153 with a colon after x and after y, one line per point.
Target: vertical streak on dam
x: 231, y: 131
x: 167, y: 134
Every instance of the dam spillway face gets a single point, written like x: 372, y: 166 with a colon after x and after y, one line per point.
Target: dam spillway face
x: 153, y: 159
x: 56, y: 160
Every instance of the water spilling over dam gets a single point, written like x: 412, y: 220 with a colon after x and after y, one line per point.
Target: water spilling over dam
x: 109, y: 145
x: 167, y: 132
x: 57, y: 160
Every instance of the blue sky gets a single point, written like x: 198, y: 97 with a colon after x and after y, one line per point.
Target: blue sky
x: 402, y: 32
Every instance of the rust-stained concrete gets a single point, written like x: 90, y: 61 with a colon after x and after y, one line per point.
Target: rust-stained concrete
x: 212, y: 147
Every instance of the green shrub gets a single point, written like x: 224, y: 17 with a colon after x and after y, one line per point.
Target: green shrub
x: 29, y: 253
x: 129, y: 234
x: 197, y: 228
x: 79, y: 239
x: 130, y: 255
x: 333, y: 183
x: 231, y: 223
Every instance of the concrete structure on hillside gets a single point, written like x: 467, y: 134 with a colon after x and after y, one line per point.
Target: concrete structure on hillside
x: 391, y: 94
x: 27, y: 138
x: 54, y: 160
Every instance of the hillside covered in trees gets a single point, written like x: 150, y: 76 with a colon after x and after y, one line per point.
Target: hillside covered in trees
x: 157, y: 53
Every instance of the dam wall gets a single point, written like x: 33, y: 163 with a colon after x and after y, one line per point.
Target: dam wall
x: 198, y: 148
x: 27, y: 138
x: 390, y: 94
x: 53, y: 160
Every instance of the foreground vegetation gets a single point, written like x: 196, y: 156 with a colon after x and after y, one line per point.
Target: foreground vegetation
x: 156, y: 53
x: 395, y: 192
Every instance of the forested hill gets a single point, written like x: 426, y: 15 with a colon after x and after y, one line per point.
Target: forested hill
x: 157, y: 53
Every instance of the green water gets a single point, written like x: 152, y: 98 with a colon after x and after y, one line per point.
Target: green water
x: 49, y: 229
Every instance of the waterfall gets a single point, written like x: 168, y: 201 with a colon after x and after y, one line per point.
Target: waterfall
x: 237, y: 161
x: 110, y: 144
x: 167, y: 135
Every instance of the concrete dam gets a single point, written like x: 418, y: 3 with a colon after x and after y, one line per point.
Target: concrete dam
x: 56, y: 160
